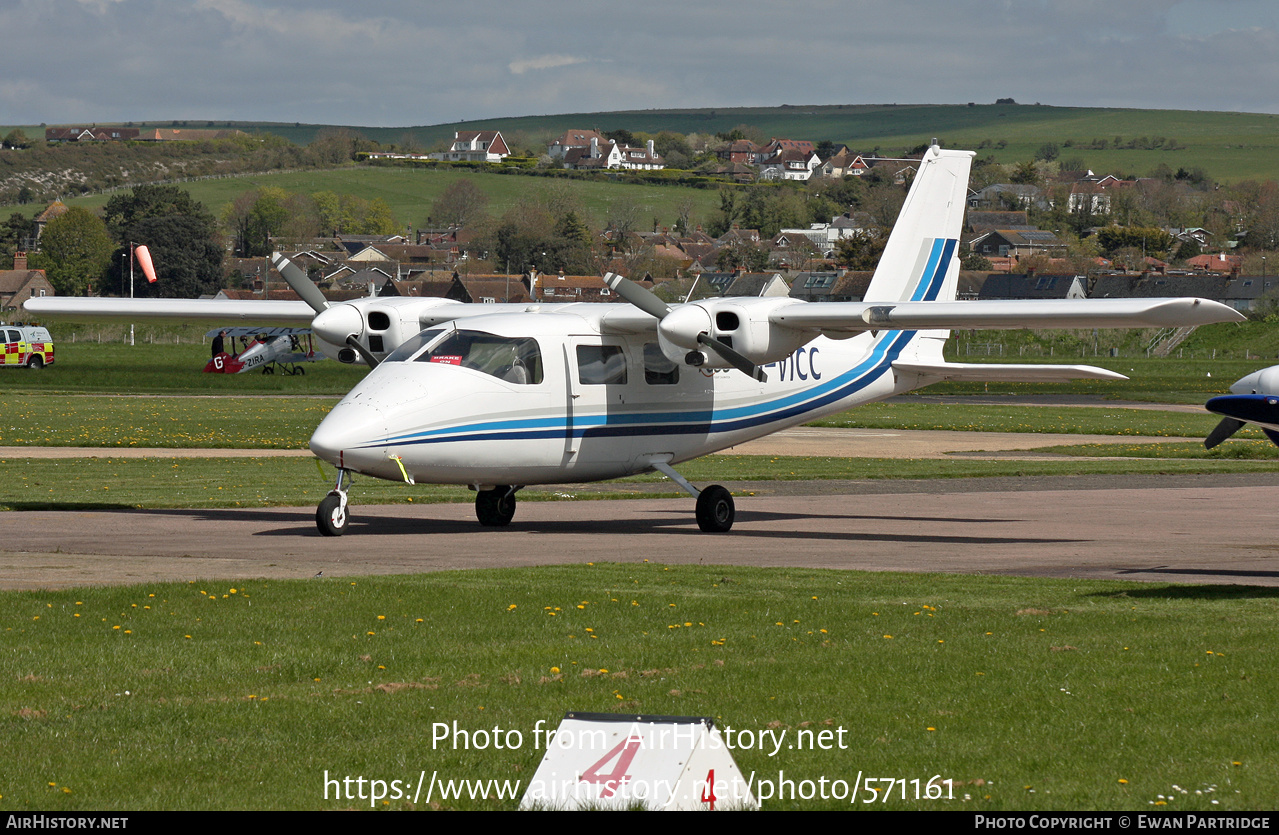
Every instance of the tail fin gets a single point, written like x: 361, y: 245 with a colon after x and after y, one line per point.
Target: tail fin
x: 919, y: 261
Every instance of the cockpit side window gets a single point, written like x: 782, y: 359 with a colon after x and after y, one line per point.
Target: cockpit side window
x: 513, y: 359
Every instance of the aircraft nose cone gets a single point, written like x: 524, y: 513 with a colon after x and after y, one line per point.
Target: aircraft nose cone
x: 351, y: 433
x: 336, y: 323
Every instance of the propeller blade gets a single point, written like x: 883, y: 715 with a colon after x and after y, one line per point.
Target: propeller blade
x: 735, y: 359
x: 637, y: 295
x: 354, y: 342
x: 301, y: 285
x: 1223, y: 430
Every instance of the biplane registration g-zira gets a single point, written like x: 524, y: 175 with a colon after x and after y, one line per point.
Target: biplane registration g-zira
x: 266, y: 349
x: 503, y: 396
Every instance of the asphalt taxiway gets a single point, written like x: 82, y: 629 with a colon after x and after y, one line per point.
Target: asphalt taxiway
x: 1185, y: 529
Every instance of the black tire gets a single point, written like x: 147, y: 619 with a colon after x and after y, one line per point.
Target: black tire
x: 36, y: 362
x: 331, y: 517
x: 495, y: 508
x: 715, y: 510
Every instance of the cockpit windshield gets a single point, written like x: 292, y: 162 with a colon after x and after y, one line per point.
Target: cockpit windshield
x: 513, y: 359
x: 414, y: 344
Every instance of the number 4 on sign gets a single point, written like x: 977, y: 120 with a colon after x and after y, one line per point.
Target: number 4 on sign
x: 708, y: 793
x: 624, y: 752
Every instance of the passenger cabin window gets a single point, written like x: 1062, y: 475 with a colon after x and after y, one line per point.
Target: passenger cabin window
x: 601, y: 365
x: 658, y: 370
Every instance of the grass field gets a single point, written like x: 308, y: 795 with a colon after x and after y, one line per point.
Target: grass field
x: 1027, y: 694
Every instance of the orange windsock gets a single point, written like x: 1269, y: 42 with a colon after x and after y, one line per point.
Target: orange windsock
x: 144, y: 261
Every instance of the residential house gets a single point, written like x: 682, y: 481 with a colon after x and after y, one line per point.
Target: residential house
x: 475, y: 146
x: 1028, y: 286
x: 598, y: 156
x: 1018, y: 243
x: 1221, y: 263
x: 55, y: 209
x: 1000, y: 195
x: 843, y: 163
x: 571, y: 139
x: 789, y: 165
x: 19, y: 284
x: 742, y: 151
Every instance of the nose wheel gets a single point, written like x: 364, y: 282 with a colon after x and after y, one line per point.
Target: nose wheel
x: 331, y: 516
x: 496, y: 508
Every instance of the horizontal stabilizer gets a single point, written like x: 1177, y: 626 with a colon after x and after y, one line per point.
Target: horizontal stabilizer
x: 986, y: 372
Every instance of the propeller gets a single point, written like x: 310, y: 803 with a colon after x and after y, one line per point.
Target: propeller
x: 678, y: 327
x: 301, y: 285
x: 338, y: 325
x: 1222, y: 431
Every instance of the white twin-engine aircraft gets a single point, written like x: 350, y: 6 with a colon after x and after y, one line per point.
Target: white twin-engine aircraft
x: 502, y: 396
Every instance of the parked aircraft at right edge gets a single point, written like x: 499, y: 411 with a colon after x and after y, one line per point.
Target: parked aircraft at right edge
x: 1252, y: 399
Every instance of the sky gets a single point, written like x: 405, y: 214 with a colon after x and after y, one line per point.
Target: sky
x: 393, y: 63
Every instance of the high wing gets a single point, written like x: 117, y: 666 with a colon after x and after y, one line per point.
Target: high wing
x: 837, y: 318
x: 69, y: 309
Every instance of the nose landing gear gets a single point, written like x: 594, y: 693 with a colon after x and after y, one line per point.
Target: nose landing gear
x: 331, y: 516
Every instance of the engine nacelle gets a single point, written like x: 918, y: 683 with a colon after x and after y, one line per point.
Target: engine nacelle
x: 380, y: 324
x: 1265, y: 381
x: 740, y: 322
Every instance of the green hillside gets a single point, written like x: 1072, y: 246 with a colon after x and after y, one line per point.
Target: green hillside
x: 1229, y: 146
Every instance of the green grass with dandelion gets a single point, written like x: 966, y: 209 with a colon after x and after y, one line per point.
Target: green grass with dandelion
x: 1026, y: 693
x: 171, y: 422
x: 1232, y: 450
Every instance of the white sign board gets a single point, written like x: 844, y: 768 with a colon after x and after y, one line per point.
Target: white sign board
x: 624, y: 761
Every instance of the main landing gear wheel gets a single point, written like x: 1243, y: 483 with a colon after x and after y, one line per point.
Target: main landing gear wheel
x: 715, y: 511
x: 495, y: 508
